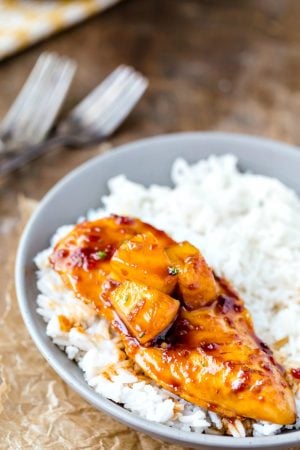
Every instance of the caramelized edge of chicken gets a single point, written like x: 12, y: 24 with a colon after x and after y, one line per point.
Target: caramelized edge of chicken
x: 196, y: 282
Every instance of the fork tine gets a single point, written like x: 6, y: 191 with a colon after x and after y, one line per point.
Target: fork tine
x: 121, y: 108
x: 53, y: 91
x: 54, y: 105
x: 110, y: 96
x: 57, y: 84
x: 104, y: 88
x: 31, y: 84
x: 40, y: 97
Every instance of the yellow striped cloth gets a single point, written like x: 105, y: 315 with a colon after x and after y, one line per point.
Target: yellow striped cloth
x: 24, y: 22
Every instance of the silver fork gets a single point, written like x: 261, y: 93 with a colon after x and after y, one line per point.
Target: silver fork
x: 94, y: 119
x: 35, y: 109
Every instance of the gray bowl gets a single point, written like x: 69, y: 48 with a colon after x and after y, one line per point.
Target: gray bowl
x: 147, y: 161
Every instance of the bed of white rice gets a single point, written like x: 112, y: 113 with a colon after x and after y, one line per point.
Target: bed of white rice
x: 247, y: 226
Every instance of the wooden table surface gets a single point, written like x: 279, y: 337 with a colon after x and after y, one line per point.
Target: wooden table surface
x: 212, y: 64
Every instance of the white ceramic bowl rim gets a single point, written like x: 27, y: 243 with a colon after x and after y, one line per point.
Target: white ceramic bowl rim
x: 49, y: 350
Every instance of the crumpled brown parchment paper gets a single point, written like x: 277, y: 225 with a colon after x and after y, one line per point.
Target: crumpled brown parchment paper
x: 37, y: 409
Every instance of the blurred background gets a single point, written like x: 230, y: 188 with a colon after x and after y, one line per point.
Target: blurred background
x: 225, y: 65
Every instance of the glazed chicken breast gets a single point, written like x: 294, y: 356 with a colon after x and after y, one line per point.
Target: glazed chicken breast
x: 186, y: 328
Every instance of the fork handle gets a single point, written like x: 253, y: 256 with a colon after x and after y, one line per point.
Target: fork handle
x: 32, y: 152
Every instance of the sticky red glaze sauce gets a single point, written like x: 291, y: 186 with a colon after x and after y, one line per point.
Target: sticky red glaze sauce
x: 123, y: 220
x: 226, y: 303
x: 242, y: 382
x: 208, y: 347
x: 89, y: 258
x: 266, y: 349
x: 213, y: 407
x: 63, y: 253
x: 296, y: 373
x: 179, y: 332
x: 93, y: 238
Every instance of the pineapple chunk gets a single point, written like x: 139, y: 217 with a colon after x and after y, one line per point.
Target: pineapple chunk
x: 196, y: 281
x: 143, y: 258
x: 145, y: 311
